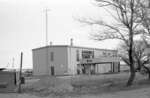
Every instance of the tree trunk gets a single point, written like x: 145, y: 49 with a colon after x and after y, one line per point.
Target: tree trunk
x: 132, y: 76
x: 130, y: 54
x: 149, y: 75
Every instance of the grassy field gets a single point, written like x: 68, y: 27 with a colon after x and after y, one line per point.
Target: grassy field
x: 98, y: 84
x: 82, y: 84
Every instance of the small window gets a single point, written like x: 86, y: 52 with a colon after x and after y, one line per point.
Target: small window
x: 104, y: 53
x: 52, y: 56
x: 77, y: 54
x: 109, y: 54
x: 92, y: 54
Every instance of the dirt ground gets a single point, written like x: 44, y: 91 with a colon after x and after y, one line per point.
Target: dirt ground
x: 84, y: 86
x: 138, y: 93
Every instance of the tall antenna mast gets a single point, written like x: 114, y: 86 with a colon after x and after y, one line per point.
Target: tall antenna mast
x: 46, y: 26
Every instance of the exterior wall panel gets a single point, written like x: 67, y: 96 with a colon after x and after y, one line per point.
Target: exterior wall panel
x: 72, y: 60
x: 39, y: 62
x: 103, y: 68
x: 59, y: 60
x: 42, y: 62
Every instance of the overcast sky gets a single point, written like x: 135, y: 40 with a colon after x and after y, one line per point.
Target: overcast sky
x: 22, y: 27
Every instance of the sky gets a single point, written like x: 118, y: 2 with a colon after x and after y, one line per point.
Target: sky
x: 22, y: 27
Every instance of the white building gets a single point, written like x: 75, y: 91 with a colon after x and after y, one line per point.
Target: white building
x: 69, y: 60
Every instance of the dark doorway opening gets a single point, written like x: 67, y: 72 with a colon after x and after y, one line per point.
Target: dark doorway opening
x: 52, y: 71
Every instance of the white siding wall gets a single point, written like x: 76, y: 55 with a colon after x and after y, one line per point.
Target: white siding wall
x: 72, y: 60
x: 103, y: 68
x: 98, y: 53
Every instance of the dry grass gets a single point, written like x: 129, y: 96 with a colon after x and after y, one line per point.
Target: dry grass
x: 48, y: 85
x: 83, y: 84
x: 107, y: 83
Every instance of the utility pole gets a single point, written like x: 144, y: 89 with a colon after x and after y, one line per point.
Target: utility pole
x: 20, y: 73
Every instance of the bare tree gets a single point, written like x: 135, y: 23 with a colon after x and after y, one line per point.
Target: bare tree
x: 140, y: 58
x: 127, y: 25
x: 144, y: 20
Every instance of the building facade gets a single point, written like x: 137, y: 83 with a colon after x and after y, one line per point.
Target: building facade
x: 71, y: 60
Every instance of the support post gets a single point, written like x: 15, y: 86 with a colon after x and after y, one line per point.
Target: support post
x: 20, y: 73
x: 118, y: 66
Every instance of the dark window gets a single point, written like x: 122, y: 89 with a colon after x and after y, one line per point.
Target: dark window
x: 87, y: 54
x: 52, y: 56
x: 92, y: 54
x: 77, y: 55
x: 104, y: 53
x: 109, y: 54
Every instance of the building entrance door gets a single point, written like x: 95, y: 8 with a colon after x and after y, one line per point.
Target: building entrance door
x: 52, y: 71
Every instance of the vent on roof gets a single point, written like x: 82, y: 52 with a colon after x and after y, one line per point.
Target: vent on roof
x: 51, y: 43
x: 71, y: 42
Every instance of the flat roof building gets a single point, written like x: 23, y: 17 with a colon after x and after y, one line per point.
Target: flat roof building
x: 70, y: 60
